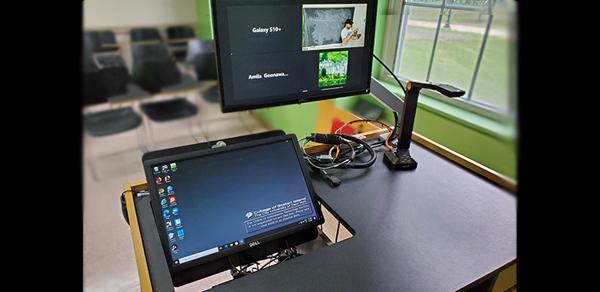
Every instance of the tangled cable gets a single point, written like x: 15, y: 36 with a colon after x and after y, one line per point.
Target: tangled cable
x: 347, y: 156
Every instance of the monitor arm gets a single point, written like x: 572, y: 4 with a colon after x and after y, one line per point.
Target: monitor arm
x: 401, y: 159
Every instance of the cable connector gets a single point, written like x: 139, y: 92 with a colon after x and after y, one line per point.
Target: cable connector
x: 332, y: 180
x: 325, y: 158
x: 325, y: 138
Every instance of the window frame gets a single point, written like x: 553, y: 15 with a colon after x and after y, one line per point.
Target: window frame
x: 467, y: 102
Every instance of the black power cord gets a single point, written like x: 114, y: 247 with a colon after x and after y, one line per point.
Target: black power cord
x: 325, y: 162
x: 391, y: 72
x: 395, y: 133
x: 281, y: 256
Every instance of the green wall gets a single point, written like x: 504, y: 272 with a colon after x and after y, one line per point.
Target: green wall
x: 379, y: 34
x: 299, y: 119
x: 204, y: 22
x: 476, y: 137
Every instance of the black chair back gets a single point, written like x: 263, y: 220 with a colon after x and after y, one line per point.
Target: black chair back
x: 88, y: 54
x: 196, y: 46
x: 110, y: 61
x: 158, y: 51
x: 205, y: 65
x: 144, y: 34
x: 180, y: 32
x: 101, y: 83
x: 101, y: 38
x: 154, y: 67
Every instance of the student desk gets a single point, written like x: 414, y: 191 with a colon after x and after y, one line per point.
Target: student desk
x: 437, y: 228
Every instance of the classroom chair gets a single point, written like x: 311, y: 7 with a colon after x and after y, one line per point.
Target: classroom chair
x: 144, y: 34
x: 178, y: 37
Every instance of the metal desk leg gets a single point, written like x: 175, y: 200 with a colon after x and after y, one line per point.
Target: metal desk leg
x: 241, y: 119
x: 199, y: 117
x: 140, y: 139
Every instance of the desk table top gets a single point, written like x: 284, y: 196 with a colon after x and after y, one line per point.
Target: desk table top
x: 437, y: 228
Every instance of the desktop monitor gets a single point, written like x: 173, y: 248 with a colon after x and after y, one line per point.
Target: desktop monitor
x: 290, y: 51
x: 212, y: 205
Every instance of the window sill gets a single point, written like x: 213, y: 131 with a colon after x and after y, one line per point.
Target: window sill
x: 503, y: 130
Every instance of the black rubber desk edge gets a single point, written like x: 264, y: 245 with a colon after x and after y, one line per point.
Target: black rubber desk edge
x: 160, y: 277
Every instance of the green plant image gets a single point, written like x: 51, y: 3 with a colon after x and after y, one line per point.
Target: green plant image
x: 333, y: 68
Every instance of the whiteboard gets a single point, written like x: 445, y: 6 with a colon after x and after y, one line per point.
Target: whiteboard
x: 322, y: 26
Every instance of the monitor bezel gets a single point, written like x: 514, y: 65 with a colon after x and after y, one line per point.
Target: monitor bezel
x: 263, y: 238
x: 371, y: 14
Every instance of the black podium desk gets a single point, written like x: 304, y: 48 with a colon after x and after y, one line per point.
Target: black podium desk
x: 437, y: 228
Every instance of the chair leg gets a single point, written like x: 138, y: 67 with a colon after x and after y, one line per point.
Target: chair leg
x: 241, y: 119
x: 140, y: 139
x: 91, y: 164
x: 190, y: 119
x: 197, y: 100
x: 148, y: 129
x: 201, y: 126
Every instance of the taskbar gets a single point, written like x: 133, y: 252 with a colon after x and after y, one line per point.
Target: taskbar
x: 230, y: 245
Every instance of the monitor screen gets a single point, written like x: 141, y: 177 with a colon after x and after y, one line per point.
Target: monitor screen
x: 289, y: 51
x: 221, y: 201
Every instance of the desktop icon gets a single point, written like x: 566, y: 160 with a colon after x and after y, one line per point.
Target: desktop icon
x: 165, y: 168
x: 178, y: 222
x: 169, y: 224
x: 172, y: 199
x: 180, y: 233
x: 236, y: 243
x: 241, y: 241
x: 231, y: 244
x: 163, y: 202
x: 175, y: 211
x: 158, y: 180
x: 161, y: 191
x: 173, y: 166
x: 166, y: 213
x: 156, y: 169
x: 170, y: 190
x: 225, y: 246
x: 174, y: 247
x: 167, y: 178
x: 171, y: 235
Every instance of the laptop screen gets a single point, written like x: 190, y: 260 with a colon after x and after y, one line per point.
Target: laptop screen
x: 226, y: 201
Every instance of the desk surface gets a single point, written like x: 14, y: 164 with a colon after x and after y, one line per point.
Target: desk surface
x: 437, y: 228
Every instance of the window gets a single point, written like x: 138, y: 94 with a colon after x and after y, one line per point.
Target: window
x: 465, y: 43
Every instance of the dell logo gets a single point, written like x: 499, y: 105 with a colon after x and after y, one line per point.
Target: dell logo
x: 254, y: 243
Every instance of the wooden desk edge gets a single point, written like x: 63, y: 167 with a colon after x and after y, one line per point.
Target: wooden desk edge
x: 486, y: 172
x: 136, y: 236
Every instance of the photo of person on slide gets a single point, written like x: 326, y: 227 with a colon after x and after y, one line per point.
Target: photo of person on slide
x: 348, y: 34
x: 332, y: 26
